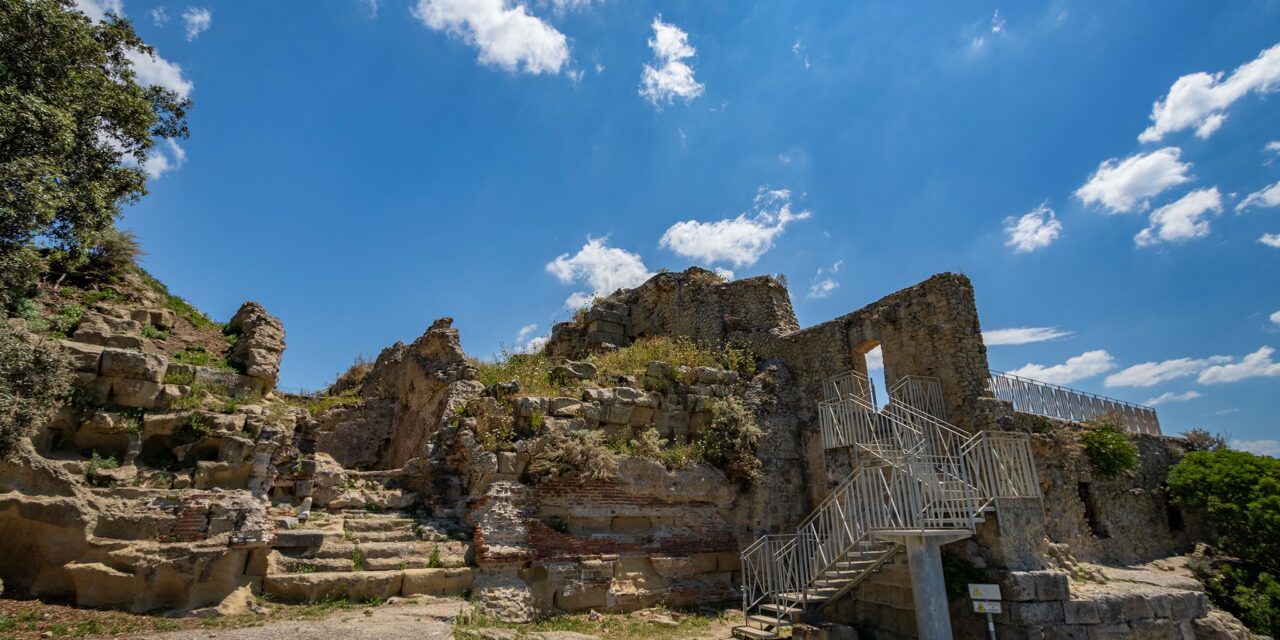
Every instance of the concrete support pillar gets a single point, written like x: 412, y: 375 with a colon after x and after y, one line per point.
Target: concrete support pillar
x: 928, y: 590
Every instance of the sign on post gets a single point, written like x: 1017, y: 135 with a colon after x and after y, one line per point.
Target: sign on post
x: 986, y: 600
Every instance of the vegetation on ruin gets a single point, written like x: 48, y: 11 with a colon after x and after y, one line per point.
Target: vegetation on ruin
x: 1240, y: 494
x: 1203, y: 440
x: 729, y: 443
x: 535, y: 371
x: 1109, y: 448
x: 351, y: 379
x: 581, y: 454
x: 35, y: 378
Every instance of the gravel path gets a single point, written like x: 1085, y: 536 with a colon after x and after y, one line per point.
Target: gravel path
x: 419, y: 621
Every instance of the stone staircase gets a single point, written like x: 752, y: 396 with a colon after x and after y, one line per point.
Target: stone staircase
x: 359, y: 555
x: 917, y: 481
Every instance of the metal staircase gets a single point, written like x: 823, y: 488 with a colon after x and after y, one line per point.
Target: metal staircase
x: 914, y: 472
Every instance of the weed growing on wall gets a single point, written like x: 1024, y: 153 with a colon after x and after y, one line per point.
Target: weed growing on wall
x: 1109, y: 448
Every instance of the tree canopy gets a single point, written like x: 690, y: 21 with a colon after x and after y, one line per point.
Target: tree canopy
x: 76, y: 126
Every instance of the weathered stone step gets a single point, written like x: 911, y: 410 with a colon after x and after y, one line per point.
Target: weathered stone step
x: 372, y: 550
x: 753, y: 633
x: 329, y: 565
x: 766, y: 623
x: 377, y: 524
x: 362, y: 585
x: 394, y: 535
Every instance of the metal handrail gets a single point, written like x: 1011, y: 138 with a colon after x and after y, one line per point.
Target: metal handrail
x: 1054, y: 401
x: 923, y: 392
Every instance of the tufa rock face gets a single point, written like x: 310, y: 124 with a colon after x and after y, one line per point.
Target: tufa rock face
x: 261, y: 343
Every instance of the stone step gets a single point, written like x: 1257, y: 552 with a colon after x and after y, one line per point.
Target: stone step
x: 320, y: 586
x: 753, y: 633
x: 377, y: 524
x: 767, y: 623
x: 332, y: 565
x: 393, y: 535
x: 780, y: 608
x: 404, y: 550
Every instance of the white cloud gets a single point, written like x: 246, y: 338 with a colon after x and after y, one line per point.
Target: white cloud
x: 160, y: 16
x: 1182, y: 220
x: 997, y: 23
x: 1200, y: 99
x: 1022, y: 335
x: 197, y: 21
x: 1149, y: 374
x: 527, y: 342
x: 563, y: 6
x: 1036, y: 229
x: 1123, y: 185
x: 601, y: 268
x: 1265, y: 197
x: 1270, y: 239
x: 1264, y: 447
x: 1273, y: 146
x: 373, y: 7
x: 727, y: 274
x: 99, y: 9
x: 1085, y: 365
x: 1275, y: 318
x: 822, y: 288
x: 154, y: 70
x: 507, y: 36
x: 672, y: 77
x: 738, y: 241
x: 159, y: 163
x: 1170, y: 396
x: 875, y: 359
x: 1255, y: 365
x: 1227, y: 412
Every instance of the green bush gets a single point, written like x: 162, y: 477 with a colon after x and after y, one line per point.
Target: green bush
x: 97, y: 463
x: 729, y: 442
x: 581, y: 454
x: 34, y: 380
x: 1109, y: 449
x: 198, y: 356
x: 1202, y: 440
x: 1240, y: 494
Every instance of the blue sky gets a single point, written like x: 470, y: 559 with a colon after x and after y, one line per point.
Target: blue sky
x: 1100, y: 170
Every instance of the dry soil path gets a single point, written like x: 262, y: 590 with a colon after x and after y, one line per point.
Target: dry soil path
x: 417, y: 621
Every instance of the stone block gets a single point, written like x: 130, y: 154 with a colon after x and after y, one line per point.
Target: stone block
x: 1136, y: 607
x: 1018, y: 586
x: 1188, y: 605
x: 437, y: 582
x: 565, y: 407
x: 135, y: 365
x: 1035, y: 613
x: 642, y: 416
x: 629, y: 395
x: 1081, y: 612
x: 84, y: 357
x: 1120, y: 631
x: 704, y: 562
x: 1066, y: 632
x: 672, y: 423
x: 141, y: 394
x: 352, y: 585
x: 673, y: 566
x: 1052, y: 585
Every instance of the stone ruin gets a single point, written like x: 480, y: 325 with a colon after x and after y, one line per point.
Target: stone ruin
x: 392, y: 485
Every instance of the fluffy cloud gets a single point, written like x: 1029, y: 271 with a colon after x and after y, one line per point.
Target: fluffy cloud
x: 1022, y: 335
x: 875, y: 359
x: 1255, y: 365
x: 1200, y: 99
x: 1085, y: 365
x: 1273, y: 146
x: 1270, y: 239
x: 160, y: 16
x: 1182, y: 220
x: 1149, y: 374
x: 507, y: 36
x: 601, y: 268
x: 738, y: 241
x: 1264, y: 447
x: 99, y: 9
x: 672, y: 77
x: 527, y: 342
x: 821, y: 288
x: 727, y: 274
x: 997, y: 22
x: 1170, y: 396
x: 571, y: 5
x: 154, y: 70
x: 159, y: 162
x: 1036, y: 229
x: 1266, y: 197
x: 197, y: 21
x: 1275, y: 318
x: 1124, y: 185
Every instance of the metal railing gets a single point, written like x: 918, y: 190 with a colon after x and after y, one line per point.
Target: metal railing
x: 921, y: 392
x: 1052, y: 401
x: 915, y: 472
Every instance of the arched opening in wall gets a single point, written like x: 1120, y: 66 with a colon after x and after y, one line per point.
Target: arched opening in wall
x: 872, y: 354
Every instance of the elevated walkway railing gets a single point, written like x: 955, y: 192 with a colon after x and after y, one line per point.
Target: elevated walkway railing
x: 1052, y: 401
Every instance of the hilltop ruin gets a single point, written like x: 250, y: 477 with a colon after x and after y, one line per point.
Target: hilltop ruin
x: 761, y: 470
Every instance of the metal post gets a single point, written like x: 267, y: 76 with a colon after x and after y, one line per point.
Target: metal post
x: 991, y: 627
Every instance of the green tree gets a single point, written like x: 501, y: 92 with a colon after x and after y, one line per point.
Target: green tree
x: 75, y: 127
x: 1240, y: 492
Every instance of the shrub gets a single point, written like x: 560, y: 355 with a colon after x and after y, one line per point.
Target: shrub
x: 729, y: 442
x: 581, y: 454
x: 357, y: 558
x: 110, y: 252
x: 197, y: 356
x: 1109, y: 448
x: 20, y: 269
x: 1240, y: 494
x: 67, y: 318
x: 35, y: 378
x: 353, y: 377
x: 679, y: 351
x: 1202, y: 440
x: 433, y: 561
x: 97, y: 463
x: 531, y: 370
x: 154, y: 333
x: 176, y: 375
